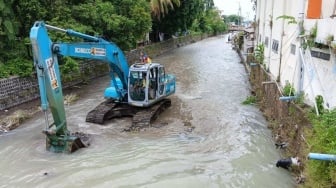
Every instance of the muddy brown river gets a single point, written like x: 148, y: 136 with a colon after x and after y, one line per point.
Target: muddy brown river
x: 207, y: 138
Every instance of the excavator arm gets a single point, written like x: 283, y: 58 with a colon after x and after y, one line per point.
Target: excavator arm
x: 48, y: 77
x: 105, y: 52
x: 98, y: 49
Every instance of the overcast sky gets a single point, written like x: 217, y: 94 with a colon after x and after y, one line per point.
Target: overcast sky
x: 231, y: 7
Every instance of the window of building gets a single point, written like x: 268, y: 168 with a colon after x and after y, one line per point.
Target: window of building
x: 293, y: 49
x: 320, y: 55
x: 275, y: 46
x: 266, y: 41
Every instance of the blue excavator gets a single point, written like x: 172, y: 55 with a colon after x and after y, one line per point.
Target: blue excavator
x: 140, y: 91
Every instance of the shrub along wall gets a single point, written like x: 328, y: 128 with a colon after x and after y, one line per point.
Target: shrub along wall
x: 15, y: 90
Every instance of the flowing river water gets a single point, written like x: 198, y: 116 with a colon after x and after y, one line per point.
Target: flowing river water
x: 207, y: 138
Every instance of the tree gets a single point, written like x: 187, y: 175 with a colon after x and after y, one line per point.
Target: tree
x: 180, y: 20
x: 120, y: 21
x: 8, y: 29
x: 209, y: 4
x: 161, y: 7
x: 233, y: 19
x: 27, y: 12
x: 212, y: 22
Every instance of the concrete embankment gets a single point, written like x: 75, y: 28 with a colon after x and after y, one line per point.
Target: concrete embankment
x: 286, y: 119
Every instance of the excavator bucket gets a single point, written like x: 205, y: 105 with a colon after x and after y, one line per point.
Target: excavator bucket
x: 67, y: 144
x: 81, y: 141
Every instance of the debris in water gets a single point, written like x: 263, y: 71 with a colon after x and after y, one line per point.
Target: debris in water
x: 281, y: 145
x: 288, y: 162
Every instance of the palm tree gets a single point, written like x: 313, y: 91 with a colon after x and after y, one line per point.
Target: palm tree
x: 161, y: 7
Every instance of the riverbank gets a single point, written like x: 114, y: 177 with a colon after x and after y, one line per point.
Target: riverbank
x: 12, y: 118
x: 287, y: 120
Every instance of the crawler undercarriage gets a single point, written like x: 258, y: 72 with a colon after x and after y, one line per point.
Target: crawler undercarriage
x: 142, y: 116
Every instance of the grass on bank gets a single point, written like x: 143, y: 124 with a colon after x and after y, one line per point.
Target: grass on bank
x: 250, y: 100
x: 322, y: 139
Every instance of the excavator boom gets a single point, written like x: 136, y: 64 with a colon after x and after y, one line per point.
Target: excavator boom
x: 58, y: 137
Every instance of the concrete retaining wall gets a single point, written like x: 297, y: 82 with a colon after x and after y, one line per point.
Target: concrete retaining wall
x: 286, y: 119
x: 15, y: 90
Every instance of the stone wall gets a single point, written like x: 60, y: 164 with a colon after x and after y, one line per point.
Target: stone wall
x: 15, y: 90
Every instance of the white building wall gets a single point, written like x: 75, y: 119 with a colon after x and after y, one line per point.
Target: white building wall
x: 268, y: 31
x: 276, y: 38
x: 318, y: 77
x: 258, y: 16
x: 262, y: 23
x: 290, y: 66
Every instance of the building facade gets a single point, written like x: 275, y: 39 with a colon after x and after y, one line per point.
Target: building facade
x: 299, y: 40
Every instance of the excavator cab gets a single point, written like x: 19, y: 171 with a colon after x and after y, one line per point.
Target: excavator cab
x: 148, y: 83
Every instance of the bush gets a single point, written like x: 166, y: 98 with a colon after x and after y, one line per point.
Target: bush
x: 259, y: 54
x: 250, y: 100
x: 319, y: 103
x: 16, y: 67
x: 288, y: 90
x: 69, y: 69
x: 3, y: 71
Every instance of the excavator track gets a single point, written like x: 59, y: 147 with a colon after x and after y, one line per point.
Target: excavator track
x: 97, y: 115
x: 145, y: 117
x: 142, y: 117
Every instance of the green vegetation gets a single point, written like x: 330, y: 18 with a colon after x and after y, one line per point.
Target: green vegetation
x: 288, y: 90
x: 233, y: 19
x: 322, y: 140
x: 329, y: 39
x: 319, y: 103
x: 124, y: 22
x: 197, y: 16
x: 259, y: 53
x: 18, y: 66
x: 250, y: 100
x: 300, y: 99
x: 69, y: 69
x: 310, y: 42
x: 161, y: 7
x: 290, y: 19
x: 240, y: 40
